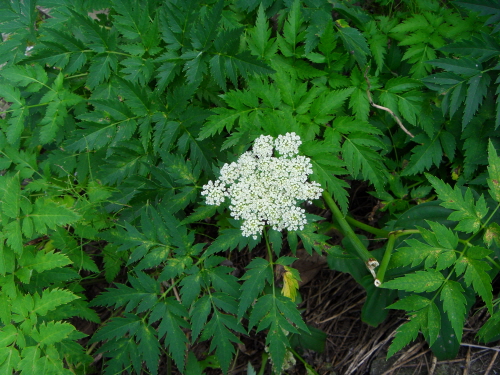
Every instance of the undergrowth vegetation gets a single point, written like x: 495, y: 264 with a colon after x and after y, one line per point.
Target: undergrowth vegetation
x: 113, y: 121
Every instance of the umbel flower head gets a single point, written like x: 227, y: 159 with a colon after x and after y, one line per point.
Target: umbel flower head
x: 264, y: 189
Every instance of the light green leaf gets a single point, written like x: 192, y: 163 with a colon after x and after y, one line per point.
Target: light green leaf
x: 11, y: 195
x: 51, y: 332
x: 48, y: 215
x: 454, y: 304
x: 50, y: 299
x: 9, y: 359
x: 8, y: 334
x: 493, y: 172
x: 420, y: 281
x: 466, y: 212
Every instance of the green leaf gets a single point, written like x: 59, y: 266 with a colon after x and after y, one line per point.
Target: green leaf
x: 11, y: 195
x: 424, y: 156
x: 489, y: 331
x: 172, y: 315
x: 292, y: 27
x: 481, y: 48
x: 51, y: 332
x: 406, y: 333
x: 259, y: 271
x: 476, y: 273
x: 477, y: 90
x: 227, y: 240
x: 493, y: 172
x: 218, y: 329
x: 149, y: 347
x: 463, y: 66
x: 466, y: 212
x: 312, y: 240
x: 260, y: 41
x: 33, y: 75
x: 413, y: 302
x: 454, y: 304
x: 420, y: 281
x: 48, y: 215
x: 433, y: 326
x: 363, y: 159
x: 484, y: 8
x: 355, y: 43
x: 9, y: 360
x: 51, y: 299
x: 124, y: 295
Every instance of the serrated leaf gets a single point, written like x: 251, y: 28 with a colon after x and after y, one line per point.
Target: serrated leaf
x: 463, y: 66
x: 311, y: 239
x: 49, y: 215
x: 424, y: 156
x: 149, y: 347
x: 259, y: 271
x: 50, y: 299
x: 493, y: 172
x: 412, y: 302
x: 260, y: 42
x: 9, y: 359
x: 477, y: 276
x: 454, y: 304
x: 489, y: 331
x: 477, y: 90
x: 172, y: 315
x: 484, y: 8
x: 481, y: 48
x: 355, y: 43
x: 218, y: 329
x: 51, y: 332
x: 419, y: 281
x: 101, y: 68
x: 433, y: 325
x: 227, y: 240
x: 468, y: 213
x: 406, y: 333
x: 363, y: 159
x: 26, y: 75
x: 11, y: 195
x: 117, y: 328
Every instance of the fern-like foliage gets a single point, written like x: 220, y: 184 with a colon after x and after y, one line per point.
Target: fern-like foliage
x: 447, y: 267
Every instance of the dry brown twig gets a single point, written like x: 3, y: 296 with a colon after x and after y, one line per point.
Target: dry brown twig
x: 369, y: 94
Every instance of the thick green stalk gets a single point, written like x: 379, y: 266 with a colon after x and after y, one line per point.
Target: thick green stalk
x: 386, y: 258
x: 346, y: 228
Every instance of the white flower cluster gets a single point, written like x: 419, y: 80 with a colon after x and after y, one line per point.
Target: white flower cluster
x: 264, y: 189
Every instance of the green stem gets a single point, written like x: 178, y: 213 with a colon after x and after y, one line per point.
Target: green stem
x: 367, y: 228
x: 405, y: 232
x: 308, y: 366
x: 265, y: 356
x: 387, y: 257
x: 361, y: 250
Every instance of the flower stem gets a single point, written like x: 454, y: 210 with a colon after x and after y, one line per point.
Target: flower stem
x: 361, y: 250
